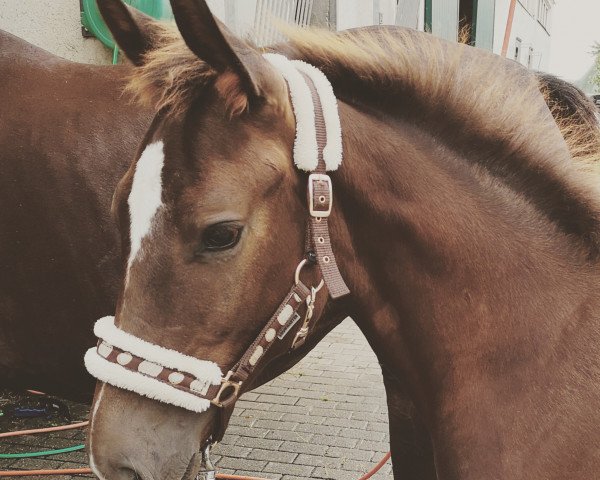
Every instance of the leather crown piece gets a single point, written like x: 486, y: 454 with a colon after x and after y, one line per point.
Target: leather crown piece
x: 129, y: 362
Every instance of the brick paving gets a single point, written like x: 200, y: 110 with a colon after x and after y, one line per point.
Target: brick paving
x: 326, y: 418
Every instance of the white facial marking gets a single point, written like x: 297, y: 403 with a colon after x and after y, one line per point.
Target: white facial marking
x: 146, y: 196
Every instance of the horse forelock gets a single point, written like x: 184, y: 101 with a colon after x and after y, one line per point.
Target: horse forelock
x: 172, y: 76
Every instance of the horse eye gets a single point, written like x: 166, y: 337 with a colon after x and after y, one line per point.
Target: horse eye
x: 221, y: 236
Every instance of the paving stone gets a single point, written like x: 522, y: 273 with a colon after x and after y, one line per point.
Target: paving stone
x: 304, y: 470
x: 346, y: 423
x: 272, y: 455
x: 306, y: 418
x: 235, y: 451
x: 258, y: 443
x: 302, y: 447
x: 242, y: 463
x: 350, y: 453
x: 289, y: 436
x: 317, y: 461
x: 268, y: 398
x: 363, y: 434
x: 334, y: 441
x: 319, y: 429
x: 276, y: 425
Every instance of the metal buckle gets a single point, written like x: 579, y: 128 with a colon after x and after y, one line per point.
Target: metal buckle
x: 225, y: 384
x: 319, y: 177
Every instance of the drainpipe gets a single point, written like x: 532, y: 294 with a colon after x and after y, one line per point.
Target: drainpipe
x: 509, y: 22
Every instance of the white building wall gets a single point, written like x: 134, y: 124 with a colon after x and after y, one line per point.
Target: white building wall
x: 54, y: 25
x: 526, y: 28
x: 360, y: 13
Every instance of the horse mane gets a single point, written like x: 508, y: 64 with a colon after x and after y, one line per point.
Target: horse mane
x: 577, y: 118
x: 491, y: 109
x: 477, y: 88
x: 499, y: 104
x: 393, y: 61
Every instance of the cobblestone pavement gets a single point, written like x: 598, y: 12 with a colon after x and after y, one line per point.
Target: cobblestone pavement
x: 324, y: 419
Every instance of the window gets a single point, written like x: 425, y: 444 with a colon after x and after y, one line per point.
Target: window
x: 543, y: 13
x: 528, y: 5
x: 518, y: 44
x: 530, y: 58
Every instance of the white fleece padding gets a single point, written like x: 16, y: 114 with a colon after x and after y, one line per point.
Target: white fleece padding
x: 145, y: 197
x: 305, y: 145
x: 203, y: 370
x: 120, y: 377
x: 332, y: 153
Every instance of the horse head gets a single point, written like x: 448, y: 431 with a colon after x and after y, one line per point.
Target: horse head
x: 212, y: 216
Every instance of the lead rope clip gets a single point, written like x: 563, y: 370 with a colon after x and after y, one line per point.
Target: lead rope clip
x: 207, y: 471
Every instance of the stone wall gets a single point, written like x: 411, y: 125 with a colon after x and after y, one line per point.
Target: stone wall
x: 54, y: 25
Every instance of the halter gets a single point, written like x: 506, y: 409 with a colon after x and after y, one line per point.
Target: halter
x: 126, y: 361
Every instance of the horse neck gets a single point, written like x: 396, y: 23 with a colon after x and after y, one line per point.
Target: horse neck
x: 464, y: 290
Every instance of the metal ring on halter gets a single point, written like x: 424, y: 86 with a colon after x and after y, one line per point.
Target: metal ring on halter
x: 297, y: 275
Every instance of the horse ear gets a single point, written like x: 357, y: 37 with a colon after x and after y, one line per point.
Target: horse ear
x: 133, y: 30
x: 212, y: 42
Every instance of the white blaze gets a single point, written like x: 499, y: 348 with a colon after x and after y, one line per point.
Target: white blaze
x: 146, y: 196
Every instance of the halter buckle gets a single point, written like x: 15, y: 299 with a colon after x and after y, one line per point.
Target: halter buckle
x: 321, y: 201
x: 225, y: 385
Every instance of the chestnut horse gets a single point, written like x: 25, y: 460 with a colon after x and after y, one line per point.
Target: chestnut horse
x: 68, y: 133
x: 66, y: 136
x: 466, y: 232
x: 26, y: 358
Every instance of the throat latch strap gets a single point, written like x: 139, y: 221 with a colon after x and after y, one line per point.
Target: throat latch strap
x: 320, y: 204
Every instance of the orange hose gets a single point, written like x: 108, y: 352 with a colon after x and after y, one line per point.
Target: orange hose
x: 44, y: 430
x: 30, y: 473
x: 224, y: 476
x: 35, y: 392
x: 82, y: 471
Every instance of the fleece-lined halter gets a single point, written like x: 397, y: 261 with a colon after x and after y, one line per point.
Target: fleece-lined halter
x: 130, y: 363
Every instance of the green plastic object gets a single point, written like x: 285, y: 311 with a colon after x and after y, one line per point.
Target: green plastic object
x: 93, y: 22
x: 42, y: 454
